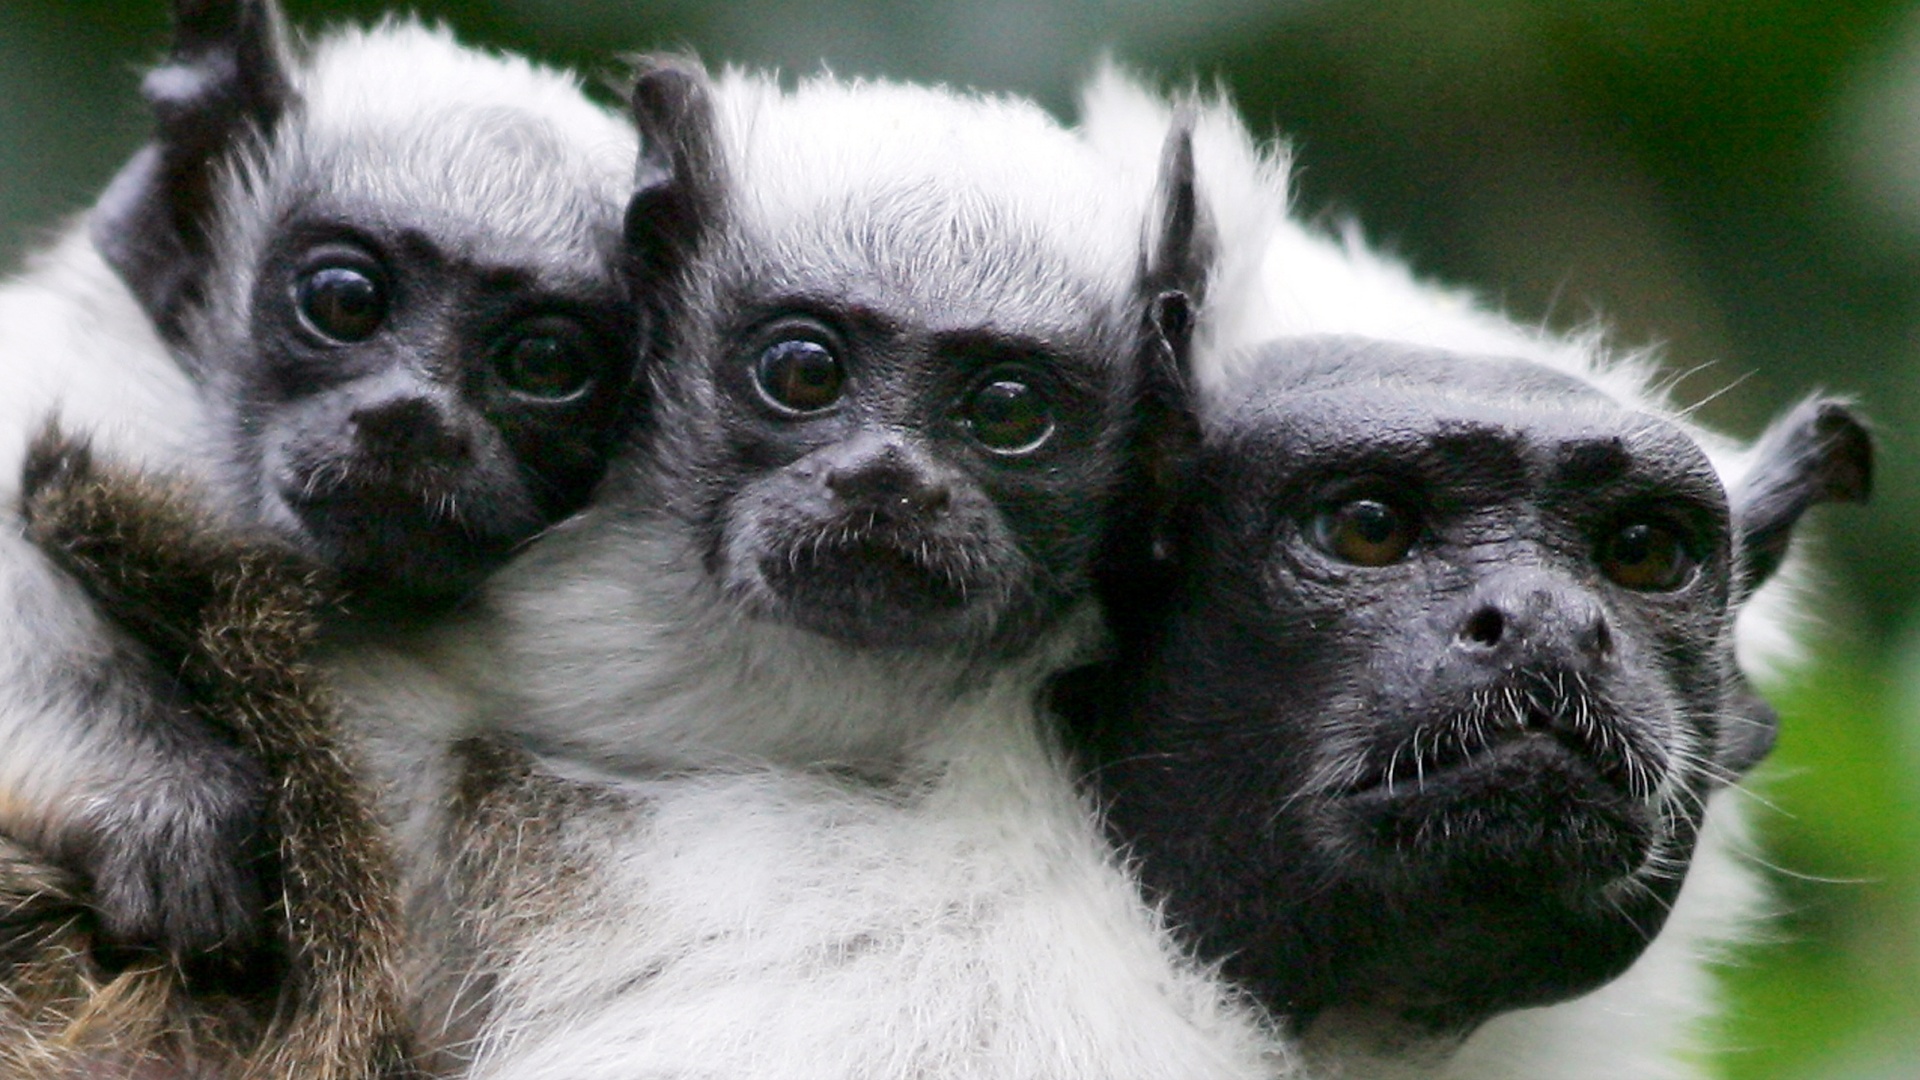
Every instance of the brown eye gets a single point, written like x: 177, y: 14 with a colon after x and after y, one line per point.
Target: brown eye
x: 1646, y: 555
x: 341, y: 303
x: 1364, y: 532
x: 1008, y: 416
x: 545, y: 367
x: 799, y: 376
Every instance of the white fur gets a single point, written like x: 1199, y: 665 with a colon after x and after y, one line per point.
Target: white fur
x: 1289, y: 279
x: 774, y: 923
x: 73, y: 343
x: 728, y: 902
x: 804, y: 860
x: 404, y: 118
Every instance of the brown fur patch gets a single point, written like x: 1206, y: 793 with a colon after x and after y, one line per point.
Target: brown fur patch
x: 235, y: 614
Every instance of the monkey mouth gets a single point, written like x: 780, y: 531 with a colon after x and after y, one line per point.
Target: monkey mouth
x: 1544, y: 724
x: 878, y: 586
x: 1536, y: 779
x: 417, y: 534
x: 431, y: 488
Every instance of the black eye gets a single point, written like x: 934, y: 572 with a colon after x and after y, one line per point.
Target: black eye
x: 1649, y: 556
x: 341, y: 303
x: 799, y: 376
x: 1364, y: 532
x: 1008, y: 416
x: 546, y: 367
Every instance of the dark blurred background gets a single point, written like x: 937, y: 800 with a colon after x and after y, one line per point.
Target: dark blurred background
x: 1734, y: 181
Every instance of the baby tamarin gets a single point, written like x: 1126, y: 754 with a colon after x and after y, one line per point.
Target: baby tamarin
x: 744, y: 773
x: 375, y: 281
x: 368, y: 291
x: 1421, y: 726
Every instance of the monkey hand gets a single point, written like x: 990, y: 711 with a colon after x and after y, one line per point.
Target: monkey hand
x: 226, y: 616
x: 175, y: 866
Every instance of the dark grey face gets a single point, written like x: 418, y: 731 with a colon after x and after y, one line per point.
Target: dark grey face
x: 880, y: 426
x: 430, y: 349
x: 1442, y: 681
x: 887, y: 483
x: 412, y: 411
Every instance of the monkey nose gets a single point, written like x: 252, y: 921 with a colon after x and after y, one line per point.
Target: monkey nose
x: 888, y: 482
x: 1532, y: 621
x: 404, y: 430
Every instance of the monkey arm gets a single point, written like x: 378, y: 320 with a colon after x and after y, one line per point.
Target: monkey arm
x: 235, y: 615
x: 105, y: 769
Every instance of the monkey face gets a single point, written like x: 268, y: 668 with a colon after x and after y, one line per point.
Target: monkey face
x: 1432, y: 719
x: 413, y: 413
x: 900, y: 486
x: 893, y: 398
x: 406, y: 308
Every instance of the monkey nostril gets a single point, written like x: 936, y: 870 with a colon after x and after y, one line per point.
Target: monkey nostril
x: 407, y: 428
x: 1484, y: 628
x: 1600, y: 639
x: 929, y: 498
x: 889, y: 486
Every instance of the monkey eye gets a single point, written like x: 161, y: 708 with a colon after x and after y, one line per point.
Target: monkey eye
x: 1008, y: 416
x: 343, y: 304
x: 799, y: 376
x: 544, y: 366
x: 1646, y: 555
x: 1364, y: 532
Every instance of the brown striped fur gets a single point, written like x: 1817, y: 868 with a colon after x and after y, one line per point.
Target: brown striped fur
x: 235, y: 614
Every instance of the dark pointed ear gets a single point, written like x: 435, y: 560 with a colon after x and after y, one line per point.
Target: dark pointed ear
x: 1180, y: 252
x: 1749, y: 727
x: 226, y: 80
x: 677, y: 184
x: 1819, y: 452
x: 1173, y: 281
x: 1135, y: 571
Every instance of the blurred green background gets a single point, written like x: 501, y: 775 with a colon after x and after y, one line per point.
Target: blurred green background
x: 1737, y: 181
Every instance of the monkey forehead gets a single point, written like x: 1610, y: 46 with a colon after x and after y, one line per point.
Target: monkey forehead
x: 506, y: 160
x: 1305, y: 364
x: 957, y: 208
x: 1349, y: 403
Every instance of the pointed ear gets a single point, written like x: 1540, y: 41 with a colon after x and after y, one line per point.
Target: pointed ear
x: 226, y: 80
x: 1135, y: 571
x: 1749, y: 727
x: 1173, y: 279
x: 1819, y: 452
x: 1180, y: 251
x: 678, y: 183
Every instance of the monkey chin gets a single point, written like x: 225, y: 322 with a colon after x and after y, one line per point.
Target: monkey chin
x: 1512, y: 865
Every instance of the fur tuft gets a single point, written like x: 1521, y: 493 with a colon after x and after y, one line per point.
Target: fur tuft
x: 237, y: 614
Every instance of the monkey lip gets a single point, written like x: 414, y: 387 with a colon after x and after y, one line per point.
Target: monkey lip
x: 1507, y: 739
x: 1535, y: 796
x: 385, y: 487
x: 1504, y: 760
x: 946, y: 569
x: 875, y: 589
